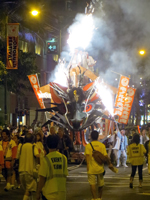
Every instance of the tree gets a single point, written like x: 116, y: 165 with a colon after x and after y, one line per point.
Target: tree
x: 17, y: 80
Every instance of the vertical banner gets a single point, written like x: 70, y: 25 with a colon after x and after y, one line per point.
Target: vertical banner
x: 12, y: 46
x: 36, y: 88
x: 122, y: 91
x: 127, y: 106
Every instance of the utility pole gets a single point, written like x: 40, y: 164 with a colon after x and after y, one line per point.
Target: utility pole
x: 5, y: 78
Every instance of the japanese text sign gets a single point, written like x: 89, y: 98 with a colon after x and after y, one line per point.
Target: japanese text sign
x: 122, y: 91
x: 12, y: 46
x: 35, y: 85
x: 127, y: 106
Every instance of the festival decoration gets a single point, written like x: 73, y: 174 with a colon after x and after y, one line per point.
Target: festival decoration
x: 12, y: 46
x: 127, y: 106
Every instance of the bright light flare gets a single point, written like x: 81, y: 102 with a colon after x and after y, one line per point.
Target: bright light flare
x: 60, y: 74
x: 106, y: 96
x: 142, y: 52
x: 81, y: 33
x: 34, y: 12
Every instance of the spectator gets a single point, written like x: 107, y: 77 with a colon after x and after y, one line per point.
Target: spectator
x: 136, y: 153
x: 53, y: 172
x: 65, y: 144
x: 45, y: 130
x: 94, y: 170
x: 39, y: 144
x: 9, y: 149
x: 53, y: 130
x: 143, y: 137
x: 27, y: 164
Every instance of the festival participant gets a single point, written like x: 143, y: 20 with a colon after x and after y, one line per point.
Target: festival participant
x: 122, y: 148
x: 136, y: 153
x: 143, y: 137
x: 15, y: 175
x: 27, y: 166
x: 53, y: 173
x: 94, y: 170
x: 65, y: 144
x: 9, y: 152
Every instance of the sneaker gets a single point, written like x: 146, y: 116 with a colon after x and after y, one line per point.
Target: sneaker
x: 8, y: 187
x: 18, y: 187
x: 12, y: 187
x: 131, y: 185
x: 125, y: 165
x: 117, y: 166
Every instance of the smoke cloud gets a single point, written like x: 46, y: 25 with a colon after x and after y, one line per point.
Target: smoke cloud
x: 121, y: 29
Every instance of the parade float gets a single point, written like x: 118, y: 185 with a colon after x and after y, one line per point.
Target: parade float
x: 79, y: 98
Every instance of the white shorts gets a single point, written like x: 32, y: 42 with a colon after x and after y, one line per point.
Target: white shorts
x: 96, y: 179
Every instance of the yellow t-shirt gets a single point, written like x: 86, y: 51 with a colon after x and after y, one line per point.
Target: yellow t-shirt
x: 136, y: 154
x: 94, y: 167
x: 55, y: 174
x: 7, y: 148
x: 27, y: 161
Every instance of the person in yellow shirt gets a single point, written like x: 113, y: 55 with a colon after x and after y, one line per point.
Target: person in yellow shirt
x: 53, y: 172
x: 94, y: 170
x: 136, y: 153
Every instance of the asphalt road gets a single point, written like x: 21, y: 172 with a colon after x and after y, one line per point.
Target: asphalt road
x: 116, y: 186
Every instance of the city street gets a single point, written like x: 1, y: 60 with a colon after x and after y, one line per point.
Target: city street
x: 116, y: 186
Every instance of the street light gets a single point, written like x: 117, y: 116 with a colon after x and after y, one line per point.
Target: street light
x: 34, y: 12
x: 142, y: 52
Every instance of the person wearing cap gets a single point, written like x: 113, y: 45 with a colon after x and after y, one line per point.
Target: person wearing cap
x: 122, y: 147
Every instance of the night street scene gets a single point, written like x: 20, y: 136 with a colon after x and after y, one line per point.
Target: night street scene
x: 75, y: 100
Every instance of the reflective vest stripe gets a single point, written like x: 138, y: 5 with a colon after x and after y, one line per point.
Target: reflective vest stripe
x: 50, y: 168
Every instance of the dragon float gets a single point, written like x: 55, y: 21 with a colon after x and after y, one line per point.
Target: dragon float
x: 81, y: 103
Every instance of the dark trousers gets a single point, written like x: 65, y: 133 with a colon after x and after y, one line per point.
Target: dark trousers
x: 140, y: 167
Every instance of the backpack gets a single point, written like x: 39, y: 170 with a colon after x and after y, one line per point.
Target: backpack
x: 99, y: 157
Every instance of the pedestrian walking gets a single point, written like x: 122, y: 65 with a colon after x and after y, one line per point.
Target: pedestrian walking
x: 53, y: 172
x: 136, y: 153
x: 27, y: 166
x: 94, y: 170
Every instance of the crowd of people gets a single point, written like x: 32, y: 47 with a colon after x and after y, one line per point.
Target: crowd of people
x: 37, y: 160
x: 29, y: 157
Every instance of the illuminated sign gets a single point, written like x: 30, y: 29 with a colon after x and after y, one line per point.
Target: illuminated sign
x: 52, y: 48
